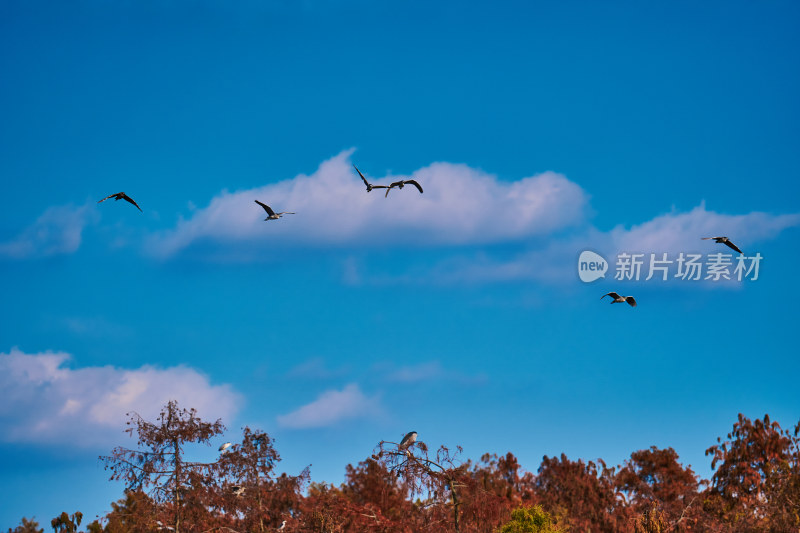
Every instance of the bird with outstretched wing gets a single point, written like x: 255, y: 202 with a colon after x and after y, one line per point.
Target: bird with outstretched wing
x: 724, y: 240
x: 400, y: 184
x: 272, y: 215
x: 368, y: 184
x: 616, y: 298
x: 121, y: 196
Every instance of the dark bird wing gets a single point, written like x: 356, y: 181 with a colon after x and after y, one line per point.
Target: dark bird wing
x: 731, y: 245
x: 392, y: 186
x: 612, y: 294
x: 129, y: 199
x: 631, y: 301
x: 110, y: 196
x: 267, y: 208
x: 362, y: 176
x: 405, y: 440
x: 415, y: 184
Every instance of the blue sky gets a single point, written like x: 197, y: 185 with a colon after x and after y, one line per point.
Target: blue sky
x: 537, y: 131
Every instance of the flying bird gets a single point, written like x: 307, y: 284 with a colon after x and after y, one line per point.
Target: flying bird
x: 726, y: 241
x: 408, y: 440
x: 617, y: 299
x: 368, y: 184
x: 225, y: 446
x: 402, y: 183
x: 272, y: 215
x: 121, y: 196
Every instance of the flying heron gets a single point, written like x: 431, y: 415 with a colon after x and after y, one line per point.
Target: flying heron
x: 121, y: 196
x: 368, y: 184
x: 225, y: 446
x: 726, y: 241
x: 272, y: 215
x: 617, y: 299
x: 402, y: 183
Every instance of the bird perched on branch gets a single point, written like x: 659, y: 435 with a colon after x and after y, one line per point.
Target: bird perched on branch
x: 408, y: 440
x: 121, y: 196
x: 225, y: 446
x: 617, y: 299
x: 272, y: 215
x: 726, y: 241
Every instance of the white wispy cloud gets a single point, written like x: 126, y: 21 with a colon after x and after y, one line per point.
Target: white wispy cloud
x: 332, y: 407
x: 46, y: 401
x: 460, y: 206
x: 57, y: 231
x: 677, y: 231
x: 426, y: 371
x: 673, y: 232
x: 462, y: 214
x: 316, y: 368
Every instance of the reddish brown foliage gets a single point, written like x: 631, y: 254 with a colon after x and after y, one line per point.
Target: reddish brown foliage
x: 654, y: 479
x: 583, y: 493
x: 755, y: 487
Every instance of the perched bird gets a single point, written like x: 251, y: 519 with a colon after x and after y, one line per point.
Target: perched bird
x: 121, y: 196
x: 400, y: 184
x: 282, y: 526
x: 225, y: 446
x: 272, y: 215
x: 726, y: 241
x: 408, y: 440
x: 368, y: 184
x: 238, y: 490
x: 617, y: 299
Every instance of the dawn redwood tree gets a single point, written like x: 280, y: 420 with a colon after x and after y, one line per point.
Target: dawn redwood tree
x: 27, y: 526
x: 437, y: 479
x: 756, y: 485
x: 132, y: 513
x: 582, y: 495
x: 492, y: 488
x: 158, y: 467
x: 247, y: 489
x: 377, y: 490
x: 65, y: 523
x: 327, y: 509
x: 654, y: 478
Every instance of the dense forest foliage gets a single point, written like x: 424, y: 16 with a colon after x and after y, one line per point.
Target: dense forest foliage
x: 755, y: 487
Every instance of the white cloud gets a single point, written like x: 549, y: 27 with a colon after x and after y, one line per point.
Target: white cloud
x: 331, y: 407
x: 426, y: 371
x: 673, y: 232
x: 45, y: 401
x: 460, y: 205
x: 57, y: 231
x: 315, y: 368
